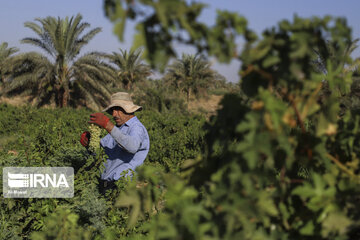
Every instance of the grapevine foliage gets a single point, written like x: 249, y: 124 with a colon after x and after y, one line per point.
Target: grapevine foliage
x: 167, y: 21
x: 281, y: 162
x: 55, y: 142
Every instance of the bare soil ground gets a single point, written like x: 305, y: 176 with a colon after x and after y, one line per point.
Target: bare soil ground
x: 206, y: 105
x: 16, y: 101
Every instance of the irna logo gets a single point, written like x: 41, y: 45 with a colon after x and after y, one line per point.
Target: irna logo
x: 18, y: 180
x: 38, y: 182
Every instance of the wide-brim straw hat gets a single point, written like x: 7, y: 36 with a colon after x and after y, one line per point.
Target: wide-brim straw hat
x: 123, y: 100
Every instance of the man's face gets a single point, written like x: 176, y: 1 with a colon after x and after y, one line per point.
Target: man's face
x: 119, y: 115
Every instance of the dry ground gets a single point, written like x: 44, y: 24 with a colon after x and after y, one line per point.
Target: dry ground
x: 16, y: 101
x: 206, y: 105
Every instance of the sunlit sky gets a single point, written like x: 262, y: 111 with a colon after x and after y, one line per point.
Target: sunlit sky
x: 261, y: 14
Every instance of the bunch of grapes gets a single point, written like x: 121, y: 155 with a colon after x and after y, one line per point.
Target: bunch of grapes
x: 95, y: 133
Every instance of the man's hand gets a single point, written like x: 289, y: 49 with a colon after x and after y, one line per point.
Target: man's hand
x: 99, y: 119
x: 84, y: 138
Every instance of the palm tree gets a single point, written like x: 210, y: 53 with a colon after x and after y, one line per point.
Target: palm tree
x: 61, y: 76
x: 130, y: 67
x: 190, y: 74
x: 5, y: 54
x: 339, y: 57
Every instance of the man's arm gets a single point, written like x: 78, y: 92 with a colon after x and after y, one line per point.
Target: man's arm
x: 131, y: 142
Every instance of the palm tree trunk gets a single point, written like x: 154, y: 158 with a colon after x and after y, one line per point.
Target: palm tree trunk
x: 65, y: 97
x: 188, y: 92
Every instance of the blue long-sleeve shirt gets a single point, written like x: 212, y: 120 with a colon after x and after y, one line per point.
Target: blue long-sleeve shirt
x: 126, y: 146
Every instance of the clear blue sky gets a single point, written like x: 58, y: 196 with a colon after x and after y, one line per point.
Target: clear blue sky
x: 261, y: 14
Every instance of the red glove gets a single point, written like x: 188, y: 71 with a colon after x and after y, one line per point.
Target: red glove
x: 99, y: 119
x: 85, y: 138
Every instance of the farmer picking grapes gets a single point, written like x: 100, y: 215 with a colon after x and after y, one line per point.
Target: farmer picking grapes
x: 127, y: 143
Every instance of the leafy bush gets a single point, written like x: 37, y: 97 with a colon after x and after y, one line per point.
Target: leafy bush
x: 283, y: 165
x: 173, y: 137
x: 50, y: 137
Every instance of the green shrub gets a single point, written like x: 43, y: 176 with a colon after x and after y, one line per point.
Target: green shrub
x: 173, y: 137
x: 284, y: 166
x: 50, y: 137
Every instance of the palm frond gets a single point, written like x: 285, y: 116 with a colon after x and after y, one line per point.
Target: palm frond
x: 62, y: 39
x: 130, y: 67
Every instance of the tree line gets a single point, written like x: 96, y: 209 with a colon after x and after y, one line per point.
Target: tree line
x: 62, y: 77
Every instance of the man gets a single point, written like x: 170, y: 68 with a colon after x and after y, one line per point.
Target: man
x: 127, y: 143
